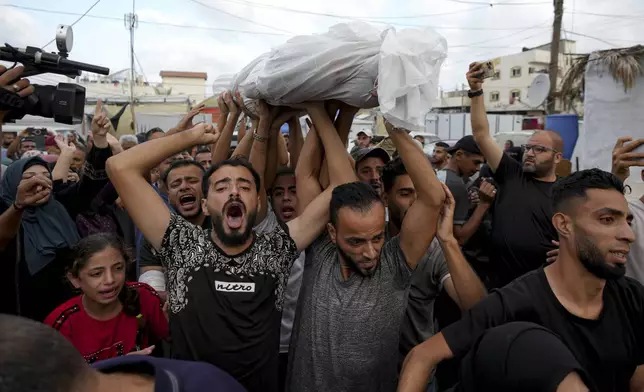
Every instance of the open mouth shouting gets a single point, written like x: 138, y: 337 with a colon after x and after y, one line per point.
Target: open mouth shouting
x: 234, y: 214
x: 288, y: 212
x: 188, y: 202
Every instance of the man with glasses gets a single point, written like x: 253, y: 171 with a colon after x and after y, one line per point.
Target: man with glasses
x: 522, y: 231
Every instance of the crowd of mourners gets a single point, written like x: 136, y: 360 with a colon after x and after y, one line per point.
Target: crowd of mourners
x: 288, y: 264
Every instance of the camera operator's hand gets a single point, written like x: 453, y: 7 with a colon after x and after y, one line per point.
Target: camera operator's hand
x: 66, y: 147
x: 100, y: 126
x: 22, y: 87
x: 32, y: 191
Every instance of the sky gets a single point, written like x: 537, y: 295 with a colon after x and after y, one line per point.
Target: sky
x: 222, y: 36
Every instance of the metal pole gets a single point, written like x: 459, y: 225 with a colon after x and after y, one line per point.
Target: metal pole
x: 132, y: 22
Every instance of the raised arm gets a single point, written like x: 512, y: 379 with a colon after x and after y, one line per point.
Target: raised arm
x: 186, y: 121
x: 307, y: 227
x: 244, y: 146
x: 419, y: 225
x: 64, y: 161
x: 308, y: 170
x: 342, y: 123
x: 463, y: 285
x: 230, y: 113
x: 296, y: 141
x: 480, y: 126
x: 127, y: 172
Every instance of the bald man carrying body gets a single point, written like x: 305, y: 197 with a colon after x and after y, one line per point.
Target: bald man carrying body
x: 522, y: 231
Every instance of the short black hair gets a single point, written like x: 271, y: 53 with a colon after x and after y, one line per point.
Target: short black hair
x: 27, y: 139
x: 578, y: 183
x: 180, y: 163
x: 237, y: 162
x: 23, y: 345
x: 441, y: 144
x: 152, y: 132
x: 354, y: 195
x: 281, y: 172
x: 202, y: 149
x: 392, y: 170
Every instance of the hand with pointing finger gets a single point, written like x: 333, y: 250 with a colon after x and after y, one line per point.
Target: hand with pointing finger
x: 624, y: 156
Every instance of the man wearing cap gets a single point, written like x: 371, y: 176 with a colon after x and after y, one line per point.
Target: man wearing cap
x: 369, y: 164
x: 465, y: 161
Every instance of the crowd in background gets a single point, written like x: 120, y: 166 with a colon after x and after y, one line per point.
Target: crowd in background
x: 285, y: 263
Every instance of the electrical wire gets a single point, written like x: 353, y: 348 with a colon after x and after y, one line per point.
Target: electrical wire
x: 499, y: 38
x: 501, y: 3
x: 339, y: 16
x: 638, y: 17
x: 143, y: 21
x: 591, y: 37
x: 76, y: 21
x: 240, y: 17
x: 140, y: 67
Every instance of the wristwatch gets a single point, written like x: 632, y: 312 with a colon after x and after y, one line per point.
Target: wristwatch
x: 477, y: 93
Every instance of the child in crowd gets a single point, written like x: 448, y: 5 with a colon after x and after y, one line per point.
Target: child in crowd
x: 111, y: 317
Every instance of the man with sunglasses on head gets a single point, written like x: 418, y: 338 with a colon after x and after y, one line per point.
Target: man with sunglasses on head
x: 522, y: 231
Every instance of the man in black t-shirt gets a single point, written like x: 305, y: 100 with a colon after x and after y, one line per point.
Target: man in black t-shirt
x: 522, y: 233
x: 583, y: 298
x: 226, y: 285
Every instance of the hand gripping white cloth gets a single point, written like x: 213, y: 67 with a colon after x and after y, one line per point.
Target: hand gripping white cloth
x: 356, y: 63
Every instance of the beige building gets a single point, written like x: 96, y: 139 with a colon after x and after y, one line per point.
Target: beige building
x: 192, y: 84
x: 507, y: 90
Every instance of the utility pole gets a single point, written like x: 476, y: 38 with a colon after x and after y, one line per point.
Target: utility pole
x: 131, y: 23
x: 554, y: 55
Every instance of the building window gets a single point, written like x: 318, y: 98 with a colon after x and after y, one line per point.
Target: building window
x: 497, y: 75
x: 532, y: 70
x: 516, y: 72
x: 515, y: 95
x: 494, y: 96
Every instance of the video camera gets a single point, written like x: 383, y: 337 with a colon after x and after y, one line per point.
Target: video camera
x: 64, y: 103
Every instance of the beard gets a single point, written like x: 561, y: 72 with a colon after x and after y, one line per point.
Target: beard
x: 539, y: 169
x: 593, y: 260
x: 353, y: 265
x: 236, y: 237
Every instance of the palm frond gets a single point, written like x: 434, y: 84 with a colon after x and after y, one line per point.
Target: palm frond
x: 624, y: 64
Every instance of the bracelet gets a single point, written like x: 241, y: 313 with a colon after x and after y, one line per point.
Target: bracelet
x: 15, y: 206
x: 259, y: 138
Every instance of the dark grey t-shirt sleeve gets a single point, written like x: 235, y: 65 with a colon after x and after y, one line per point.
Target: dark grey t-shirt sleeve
x: 147, y: 256
x: 393, y: 261
x: 440, y: 272
x: 322, y: 250
x: 462, y: 202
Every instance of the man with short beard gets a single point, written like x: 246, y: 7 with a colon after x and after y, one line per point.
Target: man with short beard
x: 440, y: 156
x: 226, y: 286
x: 522, y: 231
x: 355, y: 283
x: 369, y: 164
x: 575, y: 325
x: 183, y: 182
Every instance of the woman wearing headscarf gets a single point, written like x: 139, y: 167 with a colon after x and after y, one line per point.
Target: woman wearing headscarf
x: 44, y: 233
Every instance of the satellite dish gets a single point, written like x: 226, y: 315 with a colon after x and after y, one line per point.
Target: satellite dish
x: 538, y: 90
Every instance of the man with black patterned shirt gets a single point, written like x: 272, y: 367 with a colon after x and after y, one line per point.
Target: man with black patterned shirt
x: 226, y: 286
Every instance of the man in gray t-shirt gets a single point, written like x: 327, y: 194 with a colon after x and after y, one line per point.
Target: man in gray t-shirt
x: 355, y: 284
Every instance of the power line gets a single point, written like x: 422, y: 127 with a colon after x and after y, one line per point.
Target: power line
x: 76, y: 21
x: 140, y: 67
x: 240, y: 17
x: 501, y: 3
x: 143, y: 21
x: 591, y: 37
x: 638, y: 17
x: 474, y: 44
x: 339, y: 16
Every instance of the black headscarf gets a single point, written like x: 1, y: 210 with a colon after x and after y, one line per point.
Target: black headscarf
x: 46, y: 227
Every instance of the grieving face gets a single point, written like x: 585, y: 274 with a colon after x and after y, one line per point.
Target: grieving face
x: 359, y: 237
x: 184, y: 190
x: 284, y: 197
x: 232, y: 202
x: 369, y: 171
